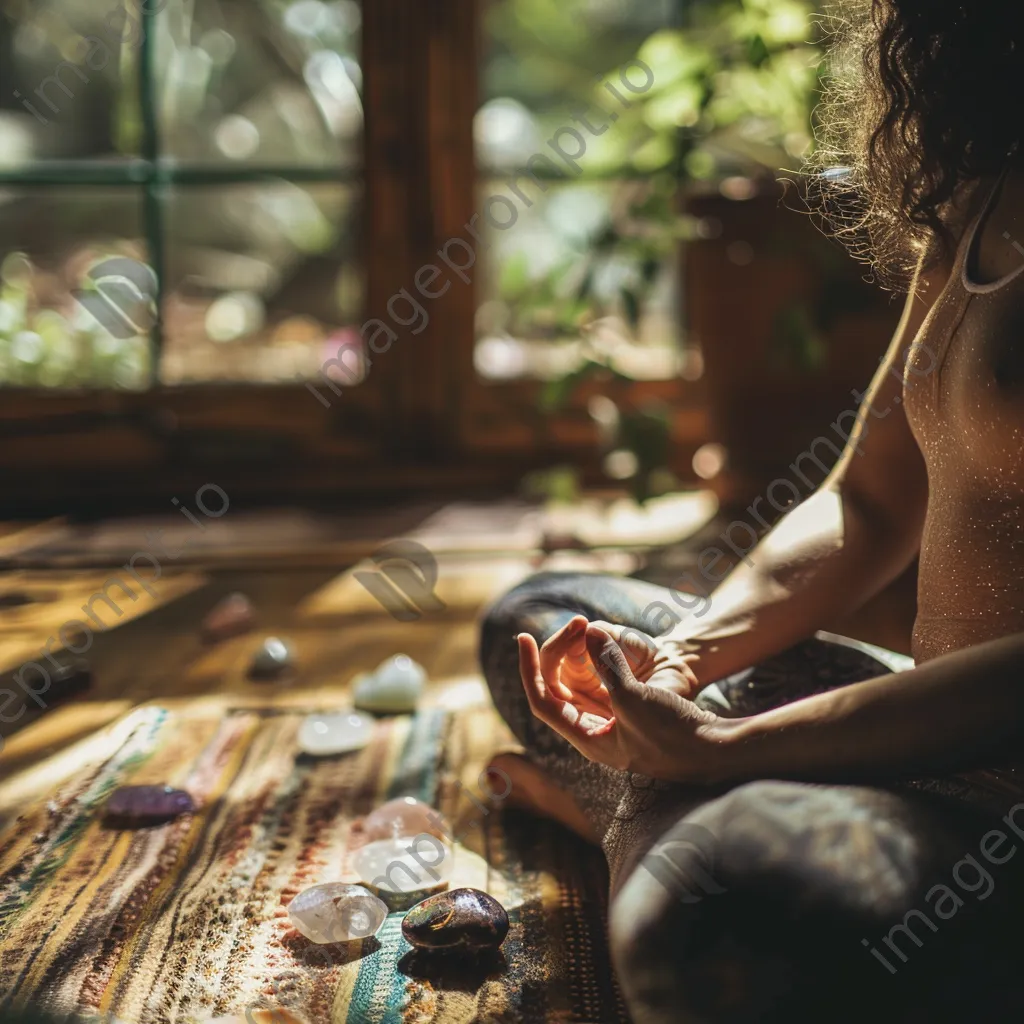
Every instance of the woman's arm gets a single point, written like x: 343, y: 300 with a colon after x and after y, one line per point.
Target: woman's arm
x: 941, y: 715
x: 841, y: 546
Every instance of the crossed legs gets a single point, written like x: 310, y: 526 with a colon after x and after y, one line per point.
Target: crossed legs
x: 771, y: 901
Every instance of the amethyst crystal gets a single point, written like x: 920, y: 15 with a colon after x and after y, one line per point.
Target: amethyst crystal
x: 147, y: 805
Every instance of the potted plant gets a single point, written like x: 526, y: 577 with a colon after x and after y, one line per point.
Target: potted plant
x: 780, y: 322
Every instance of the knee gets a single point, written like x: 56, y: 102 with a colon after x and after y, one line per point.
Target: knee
x: 810, y: 851
x: 744, y: 906
x: 513, y: 613
x: 660, y: 928
x: 671, y: 953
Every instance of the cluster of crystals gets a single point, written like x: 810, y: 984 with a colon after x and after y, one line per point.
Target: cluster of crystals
x: 60, y: 348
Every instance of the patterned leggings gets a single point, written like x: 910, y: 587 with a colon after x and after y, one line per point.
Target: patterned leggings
x: 777, y: 901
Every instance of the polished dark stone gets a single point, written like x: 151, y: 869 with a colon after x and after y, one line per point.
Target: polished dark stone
x: 460, y: 918
x: 147, y: 805
x: 274, y: 658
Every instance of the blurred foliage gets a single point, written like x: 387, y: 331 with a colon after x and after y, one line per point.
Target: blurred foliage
x: 607, y: 263
x: 239, y: 83
x: 734, y: 86
x: 43, y: 346
x: 735, y: 81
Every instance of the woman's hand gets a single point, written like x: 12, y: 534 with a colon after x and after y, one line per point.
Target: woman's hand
x: 614, y: 694
x: 568, y: 668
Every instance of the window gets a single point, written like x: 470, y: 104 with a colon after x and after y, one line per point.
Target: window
x: 587, y: 269
x: 182, y: 174
x: 197, y: 224
x: 578, y: 317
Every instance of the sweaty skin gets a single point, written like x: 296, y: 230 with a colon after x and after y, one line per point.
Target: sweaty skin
x: 966, y: 409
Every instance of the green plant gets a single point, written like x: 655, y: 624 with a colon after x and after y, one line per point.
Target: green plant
x: 734, y: 86
x: 734, y: 89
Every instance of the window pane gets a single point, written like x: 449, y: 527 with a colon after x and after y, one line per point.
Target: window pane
x: 67, y: 74
x: 75, y: 290
x: 268, y: 82
x: 264, y: 282
x: 582, y: 263
x: 584, y: 272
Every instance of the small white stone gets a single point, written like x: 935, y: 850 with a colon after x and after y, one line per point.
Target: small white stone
x: 404, y: 865
x: 336, y: 912
x: 401, y: 668
x: 395, y: 687
x: 337, y: 733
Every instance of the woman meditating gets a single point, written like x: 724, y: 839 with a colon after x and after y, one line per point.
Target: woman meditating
x: 794, y: 830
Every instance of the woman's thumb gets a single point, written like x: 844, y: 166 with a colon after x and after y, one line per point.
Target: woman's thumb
x: 610, y: 662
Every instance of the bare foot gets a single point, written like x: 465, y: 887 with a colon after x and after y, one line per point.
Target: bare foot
x: 533, y: 790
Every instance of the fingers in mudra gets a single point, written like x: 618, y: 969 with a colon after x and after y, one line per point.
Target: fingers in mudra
x: 567, y: 672
x: 656, y: 731
x: 577, y: 668
x: 574, y: 714
x: 579, y: 703
x: 629, y: 724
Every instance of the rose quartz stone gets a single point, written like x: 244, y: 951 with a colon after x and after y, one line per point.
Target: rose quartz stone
x: 404, y: 816
x: 231, y: 617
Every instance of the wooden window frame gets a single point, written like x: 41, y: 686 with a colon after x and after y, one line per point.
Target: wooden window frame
x: 421, y: 422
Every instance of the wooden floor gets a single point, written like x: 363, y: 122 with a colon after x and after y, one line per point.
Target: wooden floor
x: 300, y: 572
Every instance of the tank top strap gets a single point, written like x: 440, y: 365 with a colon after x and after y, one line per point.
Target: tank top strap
x: 952, y: 303
x: 962, y: 270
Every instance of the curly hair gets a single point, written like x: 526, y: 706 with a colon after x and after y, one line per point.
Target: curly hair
x: 917, y: 107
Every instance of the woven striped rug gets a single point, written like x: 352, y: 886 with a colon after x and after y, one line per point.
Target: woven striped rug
x: 186, y: 922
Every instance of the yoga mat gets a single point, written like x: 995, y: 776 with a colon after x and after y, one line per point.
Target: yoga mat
x: 187, y: 922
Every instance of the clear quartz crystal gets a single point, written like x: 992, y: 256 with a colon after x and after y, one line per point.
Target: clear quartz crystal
x: 394, y: 687
x: 404, y: 864
x: 334, y: 733
x: 336, y: 912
